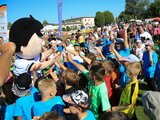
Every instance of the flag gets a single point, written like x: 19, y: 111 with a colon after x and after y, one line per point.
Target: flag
x: 3, y: 22
x: 60, y: 17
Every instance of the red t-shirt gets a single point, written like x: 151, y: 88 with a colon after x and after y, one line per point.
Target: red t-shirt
x: 108, y: 82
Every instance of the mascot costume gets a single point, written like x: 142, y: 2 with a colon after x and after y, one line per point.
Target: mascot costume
x: 26, y: 34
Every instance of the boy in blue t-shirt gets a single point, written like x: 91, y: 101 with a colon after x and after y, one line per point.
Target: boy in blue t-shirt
x: 22, y: 87
x: 49, y: 101
x: 150, y: 59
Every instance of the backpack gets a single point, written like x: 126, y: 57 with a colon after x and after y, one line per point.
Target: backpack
x: 151, y: 102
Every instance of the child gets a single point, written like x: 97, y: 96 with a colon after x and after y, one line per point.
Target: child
x: 114, y: 116
x: 150, y: 60
x: 130, y: 93
x: 22, y: 87
x: 79, y: 104
x: 109, y: 79
x: 97, y: 88
x: 47, y: 88
x: 71, y: 79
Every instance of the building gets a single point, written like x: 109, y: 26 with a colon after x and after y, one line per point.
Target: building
x: 74, y: 23
x: 79, y: 22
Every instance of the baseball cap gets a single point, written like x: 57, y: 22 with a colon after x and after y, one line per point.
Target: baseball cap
x: 79, y: 98
x: 77, y: 45
x: 22, y: 85
x: 131, y: 58
x: 119, y: 40
x: 109, y: 42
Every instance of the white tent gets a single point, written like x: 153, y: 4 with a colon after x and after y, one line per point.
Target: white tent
x: 49, y: 27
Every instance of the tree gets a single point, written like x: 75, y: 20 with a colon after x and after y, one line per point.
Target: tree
x: 154, y: 9
x: 45, y: 22
x: 108, y: 17
x: 68, y: 28
x: 99, y: 19
x: 9, y: 25
x: 63, y: 29
x: 136, y: 8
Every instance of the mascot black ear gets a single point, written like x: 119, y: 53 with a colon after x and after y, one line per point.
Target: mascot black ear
x: 22, y: 30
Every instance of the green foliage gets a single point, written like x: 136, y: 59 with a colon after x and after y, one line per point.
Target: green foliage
x: 134, y: 9
x: 99, y: 19
x: 63, y: 29
x: 68, y: 28
x: 45, y: 22
x: 108, y: 17
x: 154, y: 9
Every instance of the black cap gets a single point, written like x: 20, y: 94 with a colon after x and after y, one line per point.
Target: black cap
x: 22, y: 84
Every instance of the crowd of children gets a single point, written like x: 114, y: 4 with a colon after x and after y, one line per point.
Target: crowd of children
x: 95, y: 77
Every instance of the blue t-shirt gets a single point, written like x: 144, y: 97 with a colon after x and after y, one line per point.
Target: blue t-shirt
x: 90, y: 116
x: 39, y: 108
x: 158, y: 75
x: 24, y: 104
x: 124, y: 79
x: 9, y: 112
x: 149, y: 70
x: 124, y: 52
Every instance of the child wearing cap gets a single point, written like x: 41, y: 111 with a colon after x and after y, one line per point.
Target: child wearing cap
x: 22, y: 87
x: 130, y: 93
x: 96, y: 86
x: 47, y: 88
x: 79, y: 104
x: 150, y: 59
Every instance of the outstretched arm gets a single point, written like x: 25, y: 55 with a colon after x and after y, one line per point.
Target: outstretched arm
x: 6, y: 50
x: 79, y: 66
x: 126, y: 45
x: 45, y: 63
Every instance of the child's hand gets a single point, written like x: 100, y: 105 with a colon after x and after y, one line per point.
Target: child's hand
x: 7, y: 47
x: 36, y: 118
x: 36, y: 66
x: 98, y: 50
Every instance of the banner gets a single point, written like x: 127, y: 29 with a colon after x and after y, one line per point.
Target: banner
x: 60, y: 17
x: 3, y: 22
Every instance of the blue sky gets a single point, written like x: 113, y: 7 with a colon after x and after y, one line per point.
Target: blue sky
x: 47, y: 9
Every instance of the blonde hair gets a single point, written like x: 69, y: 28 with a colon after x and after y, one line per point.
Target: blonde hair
x: 108, y: 66
x: 133, y: 68
x: 70, y: 76
x: 46, y: 85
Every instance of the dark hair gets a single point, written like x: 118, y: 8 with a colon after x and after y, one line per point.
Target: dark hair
x: 1, y: 37
x: 114, y: 116
x: 97, y: 70
x: 51, y: 116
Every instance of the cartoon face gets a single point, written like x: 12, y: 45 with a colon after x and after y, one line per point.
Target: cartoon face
x: 26, y: 34
x: 33, y: 48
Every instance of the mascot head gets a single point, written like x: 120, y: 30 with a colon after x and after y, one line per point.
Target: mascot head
x: 26, y: 34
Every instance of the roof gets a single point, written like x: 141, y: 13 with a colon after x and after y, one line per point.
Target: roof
x: 78, y: 18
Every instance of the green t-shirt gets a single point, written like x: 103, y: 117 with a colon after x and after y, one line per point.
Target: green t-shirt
x: 99, y: 96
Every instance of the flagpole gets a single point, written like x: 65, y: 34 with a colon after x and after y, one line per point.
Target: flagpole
x: 60, y: 17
